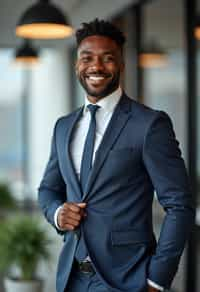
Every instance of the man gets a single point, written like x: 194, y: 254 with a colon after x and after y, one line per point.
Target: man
x: 107, y: 159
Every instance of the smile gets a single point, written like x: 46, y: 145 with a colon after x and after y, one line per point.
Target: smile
x: 96, y: 78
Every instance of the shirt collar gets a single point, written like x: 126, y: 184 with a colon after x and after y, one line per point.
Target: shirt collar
x: 108, y: 103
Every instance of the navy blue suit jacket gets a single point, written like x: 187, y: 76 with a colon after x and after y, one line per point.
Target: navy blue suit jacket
x: 138, y: 154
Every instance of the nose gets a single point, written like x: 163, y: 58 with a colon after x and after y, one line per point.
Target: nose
x: 97, y: 64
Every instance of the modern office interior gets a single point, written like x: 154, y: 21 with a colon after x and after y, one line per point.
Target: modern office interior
x: 162, y: 70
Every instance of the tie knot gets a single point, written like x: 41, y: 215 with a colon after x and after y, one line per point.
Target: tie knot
x: 93, y: 108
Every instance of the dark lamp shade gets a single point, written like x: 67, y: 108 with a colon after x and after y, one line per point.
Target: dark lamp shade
x: 152, y: 57
x: 43, y: 20
x: 26, y: 54
x: 197, y: 28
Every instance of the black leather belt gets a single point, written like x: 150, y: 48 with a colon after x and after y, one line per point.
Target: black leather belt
x: 85, y: 267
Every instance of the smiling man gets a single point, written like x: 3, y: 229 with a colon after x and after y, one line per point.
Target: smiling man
x: 106, y: 161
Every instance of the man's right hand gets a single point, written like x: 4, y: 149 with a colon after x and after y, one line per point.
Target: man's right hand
x: 70, y: 215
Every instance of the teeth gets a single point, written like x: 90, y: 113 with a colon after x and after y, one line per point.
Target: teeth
x: 96, y: 78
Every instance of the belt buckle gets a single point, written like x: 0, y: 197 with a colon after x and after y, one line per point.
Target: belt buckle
x: 86, y: 268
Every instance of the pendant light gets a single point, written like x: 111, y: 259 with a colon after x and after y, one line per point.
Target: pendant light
x: 197, y: 29
x: 43, y: 20
x: 152, y: 56
x: 26, y: 54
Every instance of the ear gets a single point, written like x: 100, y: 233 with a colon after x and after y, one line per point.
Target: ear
x: 76, y: 66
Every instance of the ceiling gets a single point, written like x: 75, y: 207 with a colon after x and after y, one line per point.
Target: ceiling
x: 156, y: 18
x: 78, y: 11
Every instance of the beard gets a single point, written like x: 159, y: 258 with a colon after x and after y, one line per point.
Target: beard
x: 108, y: 89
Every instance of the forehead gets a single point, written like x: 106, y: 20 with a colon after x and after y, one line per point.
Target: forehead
x: 98, y: 44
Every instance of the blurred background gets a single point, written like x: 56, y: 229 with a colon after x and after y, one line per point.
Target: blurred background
x: 162, y: 59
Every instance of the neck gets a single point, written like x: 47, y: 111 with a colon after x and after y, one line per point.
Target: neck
x: 95, y: 99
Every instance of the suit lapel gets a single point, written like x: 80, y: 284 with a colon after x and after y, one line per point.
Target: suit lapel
x: 115, y: 126
x: 69, y: 165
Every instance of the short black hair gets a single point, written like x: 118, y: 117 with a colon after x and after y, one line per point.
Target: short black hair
x: 102, y: 28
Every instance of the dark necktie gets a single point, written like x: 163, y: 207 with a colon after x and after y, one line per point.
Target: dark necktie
x: 86, y: 165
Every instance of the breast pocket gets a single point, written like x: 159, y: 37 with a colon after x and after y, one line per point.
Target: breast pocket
x: 121, y: 151
x: 123, y: 161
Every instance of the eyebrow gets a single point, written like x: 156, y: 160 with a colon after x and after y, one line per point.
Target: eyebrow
x: 85, y: 52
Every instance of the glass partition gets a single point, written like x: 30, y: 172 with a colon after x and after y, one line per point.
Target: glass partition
x: 11, y: 91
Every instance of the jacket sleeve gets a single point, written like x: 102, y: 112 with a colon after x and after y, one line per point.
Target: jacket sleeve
x: 52, y: 189
x: 165, y: 166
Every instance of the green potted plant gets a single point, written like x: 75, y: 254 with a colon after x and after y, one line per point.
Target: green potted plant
x: 7, y: 201
x: 23, y: 243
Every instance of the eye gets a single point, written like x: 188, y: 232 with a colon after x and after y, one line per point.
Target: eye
x: 108, y: 58
x: 86, y: 59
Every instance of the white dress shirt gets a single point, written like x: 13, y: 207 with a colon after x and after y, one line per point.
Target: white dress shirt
x: 103, y: 116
